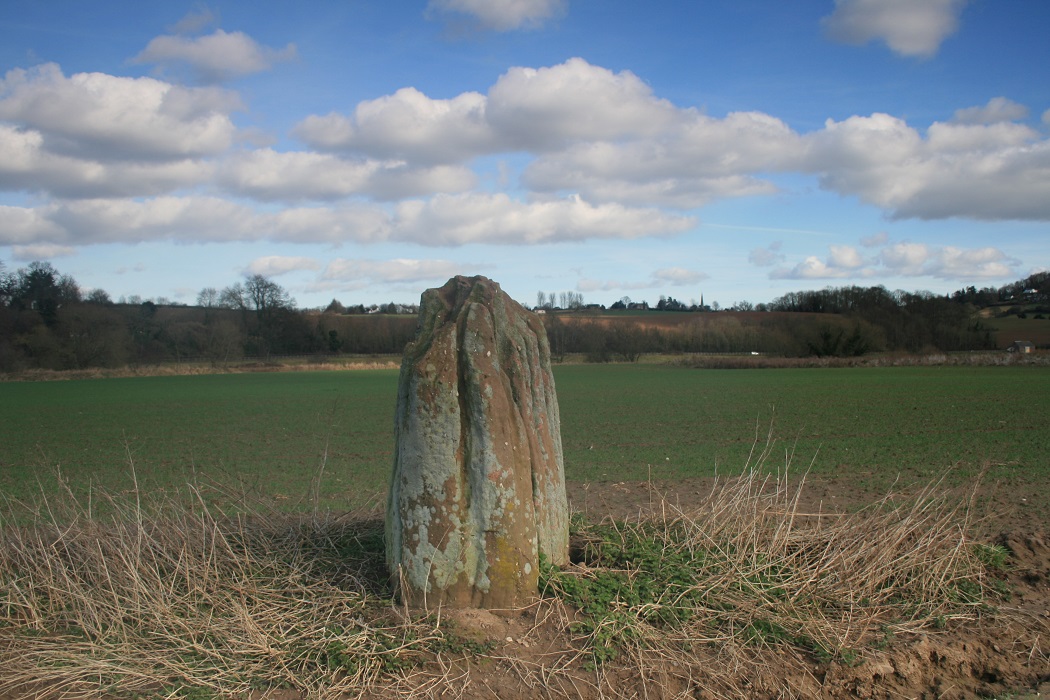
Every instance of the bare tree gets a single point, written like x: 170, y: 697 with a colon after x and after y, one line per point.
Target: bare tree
x: 233, y: 297
x: 263, y: 303
x: 266, y: 296
x: 208, y: 298
x: 223, y: 342
x: 7, y: 284
x: 99, y: 296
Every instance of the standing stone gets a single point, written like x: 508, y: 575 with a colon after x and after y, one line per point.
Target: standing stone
x: 478, y: 489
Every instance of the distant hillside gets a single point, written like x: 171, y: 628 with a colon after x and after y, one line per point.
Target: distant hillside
x: 1011, y: 328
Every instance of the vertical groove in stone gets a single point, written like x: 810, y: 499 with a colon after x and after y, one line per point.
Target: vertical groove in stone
x: 477, y: 492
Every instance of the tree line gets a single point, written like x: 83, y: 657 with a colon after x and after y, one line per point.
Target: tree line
x: 46, y: 321
x: 835, y: 321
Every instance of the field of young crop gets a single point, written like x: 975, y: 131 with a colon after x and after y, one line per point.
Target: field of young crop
x: 326, y: 438
x: 270, y: 434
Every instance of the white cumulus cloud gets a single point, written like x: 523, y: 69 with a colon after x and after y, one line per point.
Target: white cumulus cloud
x: 43, y: 251
x: 678, y: 276
x: 195, y: 21
x: 400, y: 270
x: 216, y: 57
x: 409, y: 125
x: 998, y: 109
x: 604, y: 135
x: 601, y: 157
x: 275, y: 265
x: 502, y: 15
x: 496, y: 218
x: 909, y: 27
x: 269, y: 175
x: 948, y: 262
x: 812, y: 268
x: 546, y: 108
x: 192, y: 219
x: 770, y: 255
x: 103, y: 117
x: 905, y: 259
x: 29, y: 226
x: 689, y: 163
x: 845, y: 256
x: 350, y: 223
x: 981, y: 171
x: 526, y: 109
x: 443, y: 220
x: 27, y: 165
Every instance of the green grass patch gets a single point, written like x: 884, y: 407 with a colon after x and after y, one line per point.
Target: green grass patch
x: 326, y: 438
x: 297, y: 438
x: 866, y: 424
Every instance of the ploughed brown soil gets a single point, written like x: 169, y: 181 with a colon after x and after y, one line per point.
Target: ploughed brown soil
x: 533, y: 655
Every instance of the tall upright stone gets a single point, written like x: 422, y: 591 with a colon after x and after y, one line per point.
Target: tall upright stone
x: 477, y: 493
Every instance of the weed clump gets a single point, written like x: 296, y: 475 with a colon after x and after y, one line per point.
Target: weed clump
x: 749, y: 570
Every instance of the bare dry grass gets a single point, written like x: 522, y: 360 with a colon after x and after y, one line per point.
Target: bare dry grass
x: 168, y: 598
x: 934, y: 359
x: 121, y: 596
x: 748, y: 577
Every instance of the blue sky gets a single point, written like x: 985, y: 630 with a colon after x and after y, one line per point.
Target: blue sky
x: 366, y: 150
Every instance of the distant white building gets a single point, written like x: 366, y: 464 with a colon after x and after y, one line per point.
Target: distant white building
x: 1022, y: 347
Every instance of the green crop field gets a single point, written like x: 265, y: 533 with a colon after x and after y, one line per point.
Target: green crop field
x: 286, y: 437
x: 265, y: 434
x: 861, y: 423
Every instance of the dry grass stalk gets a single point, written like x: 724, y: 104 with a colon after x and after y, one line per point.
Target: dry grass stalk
x: 119, y: 594
x: 745, y: 578
x: 183, y: 597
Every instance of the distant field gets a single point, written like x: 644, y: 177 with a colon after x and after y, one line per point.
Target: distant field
x: 1011, y: 328
x: 672, y: 320
x: 1006, y: 329
x: 271, y: 433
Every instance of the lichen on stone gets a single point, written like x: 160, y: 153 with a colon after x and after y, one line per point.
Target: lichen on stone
x: 477, y: 492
